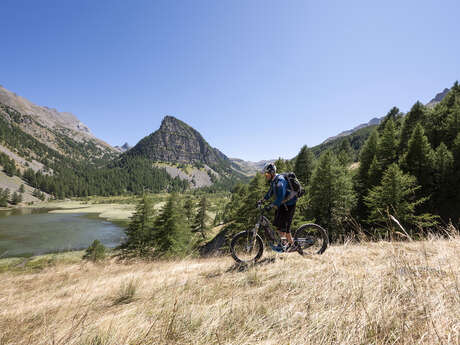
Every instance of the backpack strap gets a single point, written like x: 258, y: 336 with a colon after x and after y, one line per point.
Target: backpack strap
x: 292, y: 194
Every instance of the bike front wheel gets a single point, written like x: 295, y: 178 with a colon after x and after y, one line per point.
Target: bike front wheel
x: 246, y: 248
x: 312, y: 238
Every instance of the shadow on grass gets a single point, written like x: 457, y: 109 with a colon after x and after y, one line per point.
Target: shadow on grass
x: 243, y: 267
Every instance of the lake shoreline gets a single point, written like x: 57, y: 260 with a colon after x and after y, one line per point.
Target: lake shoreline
x: 113, y: 212
x: 118, y: 214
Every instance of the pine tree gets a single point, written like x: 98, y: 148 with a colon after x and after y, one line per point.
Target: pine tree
x: 232, y: 208
x: 418, y: 160
x: 95, y: 252
x: 4, y: 196
x: 280, y: 164
x: 456, y: 156
x: 331, y: 193
x: 10, y: 168
x: 139, y: 231
x: 22, y: 188
x: 199, y: 225
x: 303, y: 167
x: 368, y: 153
x: 436, y: 128
x: 189, y: 208
x: 16, y: 198
x: 396, y: 195
x: 453, y: 124
x: 388, y: 146
x: 171, y: 236
x: 375, y: 174
x: 416, y: 115
x: 394, y: 114
x: 345, y: 153
x: 247, y: 213
x: 443, y: 166
x: 6, y: 193
x: 444, y: 179
x: 368, y: 173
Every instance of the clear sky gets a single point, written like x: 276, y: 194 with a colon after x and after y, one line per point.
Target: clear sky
x: 258, y: 79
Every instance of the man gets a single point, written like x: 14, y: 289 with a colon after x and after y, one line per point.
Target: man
x: 285, y: 202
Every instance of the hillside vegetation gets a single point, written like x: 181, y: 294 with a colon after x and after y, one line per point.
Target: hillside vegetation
x: 372, y: 293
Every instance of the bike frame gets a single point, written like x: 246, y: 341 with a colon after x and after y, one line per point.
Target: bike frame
x: 265, y: 224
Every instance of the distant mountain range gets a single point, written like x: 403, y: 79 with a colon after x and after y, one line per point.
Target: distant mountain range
x: 174, y: 145
x: 125, y: 147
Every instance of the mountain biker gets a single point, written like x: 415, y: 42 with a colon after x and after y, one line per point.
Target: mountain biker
x: 284, y: 203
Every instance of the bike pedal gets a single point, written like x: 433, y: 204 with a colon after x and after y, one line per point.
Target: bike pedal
x: 278, y: 249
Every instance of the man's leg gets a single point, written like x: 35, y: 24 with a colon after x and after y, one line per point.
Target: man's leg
x: 286, y: 235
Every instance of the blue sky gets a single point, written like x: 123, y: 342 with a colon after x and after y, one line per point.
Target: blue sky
x: 258, y: 79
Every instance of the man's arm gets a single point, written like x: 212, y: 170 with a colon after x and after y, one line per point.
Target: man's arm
x: 269, y: 193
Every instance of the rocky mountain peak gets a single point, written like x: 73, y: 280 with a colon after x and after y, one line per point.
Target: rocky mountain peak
x: 125, y: 147
x: 177, y: 142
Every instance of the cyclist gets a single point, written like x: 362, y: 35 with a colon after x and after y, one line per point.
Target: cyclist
x: 285, y: 202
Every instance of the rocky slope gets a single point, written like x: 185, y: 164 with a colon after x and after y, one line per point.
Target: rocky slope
x: 46, y: 123
x: 249, y: 168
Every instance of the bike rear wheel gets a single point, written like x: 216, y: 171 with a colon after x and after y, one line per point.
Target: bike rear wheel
x: 312, y: 238
x: 246, y: 248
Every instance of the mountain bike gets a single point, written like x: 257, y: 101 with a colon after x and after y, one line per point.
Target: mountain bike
x: 248, y: 246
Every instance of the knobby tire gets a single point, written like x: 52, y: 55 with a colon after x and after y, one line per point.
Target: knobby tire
x: 245, y: 248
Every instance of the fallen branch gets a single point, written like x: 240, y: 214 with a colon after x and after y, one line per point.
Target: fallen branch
x: 401, y: 227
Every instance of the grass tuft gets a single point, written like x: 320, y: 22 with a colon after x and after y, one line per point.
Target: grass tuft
x: 126, y: 293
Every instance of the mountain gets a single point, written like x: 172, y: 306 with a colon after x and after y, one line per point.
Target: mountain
x: 49, y: 150
x: 48, y: 125
x: 185, y: 154
x: 177, y: 142
x: 123, y: 148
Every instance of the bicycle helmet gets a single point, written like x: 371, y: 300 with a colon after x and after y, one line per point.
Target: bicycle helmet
x: 270, y: 168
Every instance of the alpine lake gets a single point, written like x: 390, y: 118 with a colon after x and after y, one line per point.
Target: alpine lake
x: 27, y: 232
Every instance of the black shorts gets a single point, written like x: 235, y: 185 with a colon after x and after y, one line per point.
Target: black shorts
x: 283, y: 218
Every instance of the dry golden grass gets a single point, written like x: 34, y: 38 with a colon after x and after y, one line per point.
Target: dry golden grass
x: 371, y: 293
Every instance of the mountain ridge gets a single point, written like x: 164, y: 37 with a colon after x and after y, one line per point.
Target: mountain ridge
x: 64, y: 122
x: 376, y: 120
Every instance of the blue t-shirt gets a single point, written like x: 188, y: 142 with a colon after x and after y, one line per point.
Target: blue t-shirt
x: 279, y: 187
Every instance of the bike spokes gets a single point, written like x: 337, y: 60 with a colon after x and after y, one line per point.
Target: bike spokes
x: 311, y: 238
x: 246, y: 247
